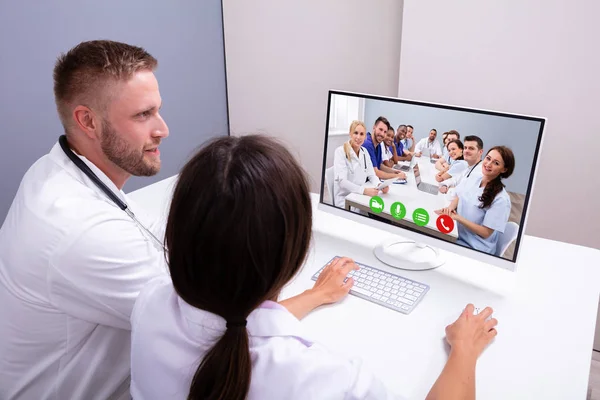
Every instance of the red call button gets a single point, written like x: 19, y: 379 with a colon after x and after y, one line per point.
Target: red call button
x: 445, y: 223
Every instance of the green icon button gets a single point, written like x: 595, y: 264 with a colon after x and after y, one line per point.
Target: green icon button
x: 398, y: 210
x: 420, y: 217
x: 376, y: 204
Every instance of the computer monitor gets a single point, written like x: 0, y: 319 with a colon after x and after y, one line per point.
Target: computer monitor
x: 469, y: 195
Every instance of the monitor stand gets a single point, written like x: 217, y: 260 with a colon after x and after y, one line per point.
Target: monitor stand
x: 408, y: 254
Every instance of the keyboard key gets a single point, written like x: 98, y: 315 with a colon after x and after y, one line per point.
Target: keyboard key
x: 405, y: 301
x: 410, y: 297
x: 362, y: 291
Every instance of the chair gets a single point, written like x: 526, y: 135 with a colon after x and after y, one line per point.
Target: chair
x: 506, y: 238
x: 329, y: 182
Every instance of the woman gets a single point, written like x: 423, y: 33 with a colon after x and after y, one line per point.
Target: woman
x: 352, y: 167
x: 457, y: 162
x: 482, y: 205
x: 213, y: 329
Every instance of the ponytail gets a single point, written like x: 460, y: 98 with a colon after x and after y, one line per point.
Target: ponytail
x: 492, y: 189
x: 224, y: 373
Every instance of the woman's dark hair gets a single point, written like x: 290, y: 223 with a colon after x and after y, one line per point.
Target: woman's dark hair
x: 238, y: 230
x: 495, y: 186
x: 460, y: 146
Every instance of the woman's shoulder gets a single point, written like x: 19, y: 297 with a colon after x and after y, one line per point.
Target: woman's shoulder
x: 159, y: 287
x: 502, y: 198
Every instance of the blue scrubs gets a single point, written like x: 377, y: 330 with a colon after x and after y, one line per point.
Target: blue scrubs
x: 375, y: 153
x: 457, y: 167
x: 494, y: 217
x: 399, y: 148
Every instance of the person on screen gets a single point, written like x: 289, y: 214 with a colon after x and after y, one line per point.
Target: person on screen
x: 482, y: 206
x: 430, y: 145
x: 472, y: 152
x: 352, y: 168
x: 375, y: 151
x: 457, y: 163
x: 444, y: 162
x: 388, y: 149
x: 212, y: 329
x: 409, y: 142
x: 402, y: 152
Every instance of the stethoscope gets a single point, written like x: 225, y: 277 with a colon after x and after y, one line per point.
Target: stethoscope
x: 474, y: 166
x: 90, y: 174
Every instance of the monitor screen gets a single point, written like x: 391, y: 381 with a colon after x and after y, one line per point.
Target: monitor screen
x: 459, y: 175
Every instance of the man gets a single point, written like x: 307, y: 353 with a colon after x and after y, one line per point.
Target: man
x: 409, y: 142
x: 402, y: 153
x: 430, y: 144
x: 472, y: 153
x: 388, y: 150
x: 71, y: 262
x: 372, y: 144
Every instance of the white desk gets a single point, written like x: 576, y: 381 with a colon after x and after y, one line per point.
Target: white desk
x: 412, y: 198
x: 546, y: 321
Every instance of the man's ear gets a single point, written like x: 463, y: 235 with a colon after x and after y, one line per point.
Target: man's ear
x: 87, y: 121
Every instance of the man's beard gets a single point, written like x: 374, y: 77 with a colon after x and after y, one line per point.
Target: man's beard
x: 124, y: 156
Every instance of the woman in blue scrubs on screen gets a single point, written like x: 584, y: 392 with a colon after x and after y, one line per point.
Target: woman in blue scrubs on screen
x: 457, y: 162
x: 352, y: 167
x: 482, y: 205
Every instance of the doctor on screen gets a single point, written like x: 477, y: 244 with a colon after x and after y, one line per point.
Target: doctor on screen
x: 482, y: 206
x: 212, y: 329
x: 429, y: 145
x: 457, y: 163
x: 352, y: 168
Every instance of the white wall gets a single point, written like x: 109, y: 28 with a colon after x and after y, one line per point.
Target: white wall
x: 535, y: 57
x: 282, y: 58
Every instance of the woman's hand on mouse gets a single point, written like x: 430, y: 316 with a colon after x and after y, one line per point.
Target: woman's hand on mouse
x: 470, y: 333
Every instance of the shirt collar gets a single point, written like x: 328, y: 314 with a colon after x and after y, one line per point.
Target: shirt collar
x: 270, y: 319
x: 63, y: 160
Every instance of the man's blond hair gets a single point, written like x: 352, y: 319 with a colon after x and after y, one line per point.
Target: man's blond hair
x: 84, y: 74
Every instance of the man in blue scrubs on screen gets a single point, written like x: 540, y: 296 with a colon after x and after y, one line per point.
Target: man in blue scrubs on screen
x: 373, y: 146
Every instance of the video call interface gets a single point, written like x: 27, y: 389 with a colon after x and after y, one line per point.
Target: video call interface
x: 460, y: 175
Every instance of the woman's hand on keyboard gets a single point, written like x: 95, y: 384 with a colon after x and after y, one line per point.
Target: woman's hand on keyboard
x: 332, y: 284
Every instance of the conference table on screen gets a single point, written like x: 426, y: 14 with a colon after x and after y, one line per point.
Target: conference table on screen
x: 412, y: 198
x: 546, y: 311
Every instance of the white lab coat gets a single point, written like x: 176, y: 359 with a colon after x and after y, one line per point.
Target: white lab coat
x: 351, y: 176
x: 170, y: 338
x: 427, y: 148
x: 71, y: 266
x: 386, y: 153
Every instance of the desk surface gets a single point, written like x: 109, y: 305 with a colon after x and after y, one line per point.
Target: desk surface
x: 546, y: 312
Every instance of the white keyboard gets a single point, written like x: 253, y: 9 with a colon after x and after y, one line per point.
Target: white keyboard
x: 384, y: 288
